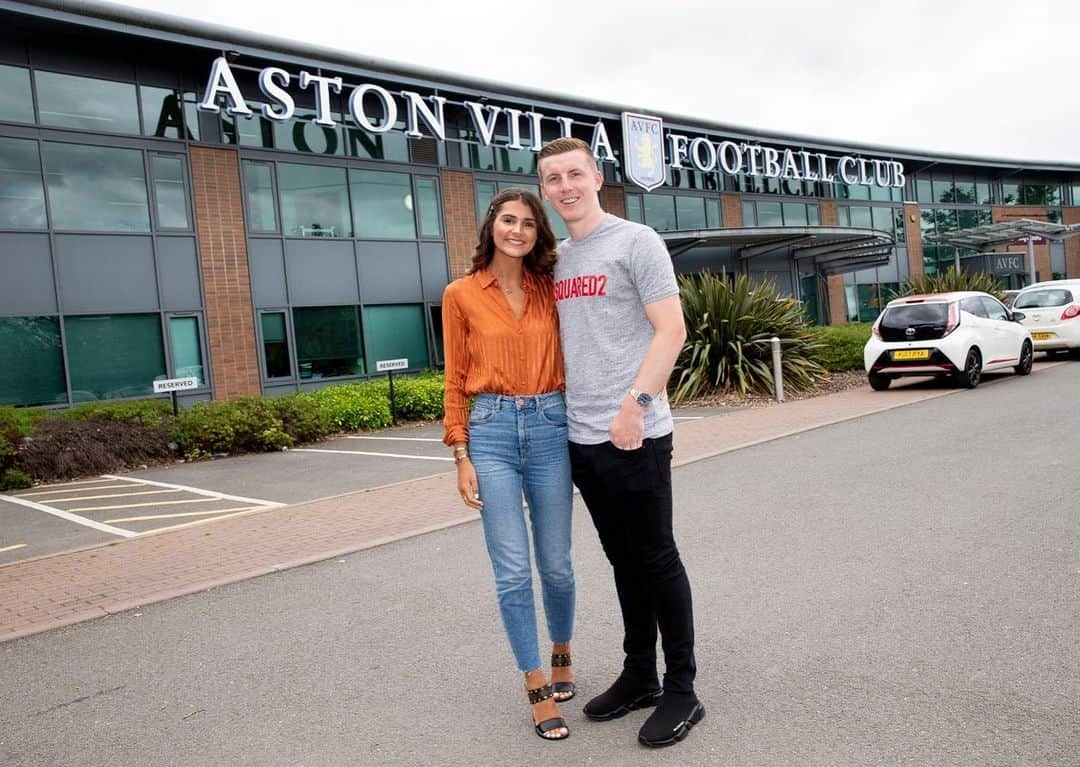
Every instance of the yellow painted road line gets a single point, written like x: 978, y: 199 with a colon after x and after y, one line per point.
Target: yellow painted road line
x: 143, y: 505
x: 74, y: 489
x: 67, y: 515
x: 199, y: 491
x: 209, y: 520
x: 183, y: 514
x: 362, y: 452
x: 114, y: 495
x: 12, y: 548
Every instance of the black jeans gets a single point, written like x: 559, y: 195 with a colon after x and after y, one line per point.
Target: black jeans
x: 628, y: 493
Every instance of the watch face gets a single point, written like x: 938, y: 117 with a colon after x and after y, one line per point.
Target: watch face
x: 643, y: 399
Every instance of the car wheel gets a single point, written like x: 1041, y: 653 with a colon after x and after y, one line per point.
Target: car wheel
x: 879, y: 381
x: 1027, y: 355
x: 1074, y: 353
x: 970, y: 376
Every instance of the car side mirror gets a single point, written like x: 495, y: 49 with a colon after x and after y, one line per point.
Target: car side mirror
x: 1017, y: 316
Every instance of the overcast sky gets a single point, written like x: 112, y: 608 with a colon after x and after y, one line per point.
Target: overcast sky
x: 992, y: 79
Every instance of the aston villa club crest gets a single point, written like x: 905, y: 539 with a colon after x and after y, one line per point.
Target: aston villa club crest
x: 643, y: 150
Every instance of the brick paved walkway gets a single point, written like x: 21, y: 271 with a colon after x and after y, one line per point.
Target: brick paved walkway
x: 54, y: 591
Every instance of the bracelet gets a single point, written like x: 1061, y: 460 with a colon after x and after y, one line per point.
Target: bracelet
x: 459, y: 457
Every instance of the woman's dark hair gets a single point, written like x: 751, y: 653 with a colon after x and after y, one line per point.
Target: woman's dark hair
x: 541, y: 259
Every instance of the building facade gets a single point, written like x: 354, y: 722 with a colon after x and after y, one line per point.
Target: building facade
x: 184, y: 201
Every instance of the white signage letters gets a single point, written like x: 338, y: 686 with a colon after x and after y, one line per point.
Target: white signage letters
x: 504, y: 125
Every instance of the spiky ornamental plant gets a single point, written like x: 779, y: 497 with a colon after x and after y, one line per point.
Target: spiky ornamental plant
x: 729, y: 325
x: 949, y: 281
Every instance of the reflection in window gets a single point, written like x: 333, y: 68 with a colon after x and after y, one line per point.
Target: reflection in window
x: 769, y: 214
x: 393, y: 145
x: 314, y: 201
x: 795, y: 214
x: 17, y: 105
x: 328, y: 342
x: 96, y: 188
x: 302, y: 134
x: 22, y: 196
x: 427, y: 204
x: 186, y: 349
x: 165, y: 114
x: 114, y: 356
x: 690, y: 212
x: 246, y: 131
x: 170, y: 191
x: 275, y: 346
x: 396, y: 332
x: 33, y: 369
x: 259, y: 189
x: 660, y: 212
x: 633, y: 208
x: 382, y: 205
x: 87, y: 103
x: 435, y: 312
x: 713, y: 219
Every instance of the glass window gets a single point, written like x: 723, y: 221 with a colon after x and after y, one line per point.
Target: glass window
x: 33, y: 369
x: 660, y: 212
x: 314, y: 201
x: 633, y: 208
x: 435, y: 313
x: 713, y: 220
x: 275, y: 341
x: 186, y: 349
x: 898, y: 225
x: 943, y: 189
x: 427, y: 203
x: 328, y: 342
x: 393, y: 145
x: 965, y: 192
x: 87, y: 103
x: 994, y: 309
x: 170, y: 191
x: 382, y: 205
x: 485, y: 190
x: 965, y: 219
x: 882, y: 219
x: 303, y: 134
x: 924, y: 191
x: 1043, y: 299
x: 843, y: 215
x: 22, y: 196
x: 395, y: 332
x: 246, y: 131
x: 880, y: 193
x: 982, y: 193
x: 946, y: 221
x: 1010, y: 194
x: 861, y: 217
x: 165, y: 114
x: 114, y: 355
x: 859, y: 192
x: 690, y: 212
x: 795, y: 214
x: 17, y: 105
x: 96, y: 188
x: 749, y: 215
x: 813, y: 215
x: 259, y: 190
x: 769, y: 214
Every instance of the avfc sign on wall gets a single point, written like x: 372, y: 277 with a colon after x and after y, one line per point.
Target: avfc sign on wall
x: 643, y: 150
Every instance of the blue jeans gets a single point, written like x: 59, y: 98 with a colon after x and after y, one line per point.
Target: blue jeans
x: 519, y: 445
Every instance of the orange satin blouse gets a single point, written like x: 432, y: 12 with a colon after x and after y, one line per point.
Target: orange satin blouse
x: 487, y: 349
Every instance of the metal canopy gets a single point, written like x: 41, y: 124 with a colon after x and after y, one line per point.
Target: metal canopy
x: 992, y: 236
x: 833, y: 249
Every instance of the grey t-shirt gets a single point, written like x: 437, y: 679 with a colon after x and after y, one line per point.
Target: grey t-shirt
x: 602, y: 283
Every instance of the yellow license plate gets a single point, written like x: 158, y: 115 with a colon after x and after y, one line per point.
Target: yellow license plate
x: 911, y: 354
x: 1042, y: 336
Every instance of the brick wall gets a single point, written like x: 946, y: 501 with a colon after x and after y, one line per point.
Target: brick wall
x: 731, y: 210
x: 830, y: 214
x: 613, y: 200
x: 1042, y: 252
x: 459, y: 212
x: 913, y: 235
x: 1072, y: 245
x: 837, y: 299
x: 223, y: 261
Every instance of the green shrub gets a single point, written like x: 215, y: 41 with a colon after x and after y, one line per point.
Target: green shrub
x: 16, y: 423
x: 301, y: 418
x: 729, y: 324
x: 419, y: 398
x: 13, y: 479
x: 242, y: 425
x: 842, y: 345
x: 355, y: 406
x: 149, y: 412
x: 951, y: 280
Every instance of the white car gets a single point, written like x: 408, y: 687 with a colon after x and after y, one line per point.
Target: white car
x: 1052, y: 315
x: 960, y: 334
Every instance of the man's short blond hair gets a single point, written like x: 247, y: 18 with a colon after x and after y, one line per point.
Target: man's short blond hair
x: 562, y: 146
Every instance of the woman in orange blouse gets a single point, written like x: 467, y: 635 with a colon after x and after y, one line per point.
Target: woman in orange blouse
x: 501, y: 343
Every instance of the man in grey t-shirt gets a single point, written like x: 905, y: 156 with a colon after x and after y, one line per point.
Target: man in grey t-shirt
x: 621, y: 327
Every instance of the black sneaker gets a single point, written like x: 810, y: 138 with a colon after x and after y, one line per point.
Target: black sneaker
x: 675, y: 714
x: 621, y: 698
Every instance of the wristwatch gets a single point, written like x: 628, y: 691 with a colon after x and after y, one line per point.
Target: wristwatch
x: 641, y: 398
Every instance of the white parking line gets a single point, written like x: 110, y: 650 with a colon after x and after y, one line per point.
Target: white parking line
x: 687, y: 417
x: 361, y: 452
x: 184, y: 514
x: 400, y: 439
x: 72, y: 517
x: 198, y: 491
x: 73, y: 489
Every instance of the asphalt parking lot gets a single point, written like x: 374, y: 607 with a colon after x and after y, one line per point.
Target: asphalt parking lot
x: 60, y: 517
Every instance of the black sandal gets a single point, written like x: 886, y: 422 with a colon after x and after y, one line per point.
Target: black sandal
x: 568, y: 689
x: 539, y: 695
